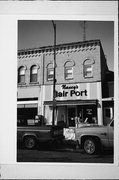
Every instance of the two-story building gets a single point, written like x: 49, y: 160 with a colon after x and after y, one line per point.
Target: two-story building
x: 84, y: 84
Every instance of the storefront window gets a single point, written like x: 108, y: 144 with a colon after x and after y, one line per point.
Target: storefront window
x: 71, y: 116
x: 80, y: 114
x: 90, y: 114
x: 108, y: 112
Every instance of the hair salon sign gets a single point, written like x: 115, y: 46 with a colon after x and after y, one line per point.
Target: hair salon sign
x: 70, y: 91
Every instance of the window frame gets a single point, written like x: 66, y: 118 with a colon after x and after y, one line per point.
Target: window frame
x: 22, y: 68
x: 86, y: 72
x: 88, y: 64
x: 48, y: 74
x: 108, y: 112
x: 33, y: 74
x: 69, y: 65
x: 66, y: 73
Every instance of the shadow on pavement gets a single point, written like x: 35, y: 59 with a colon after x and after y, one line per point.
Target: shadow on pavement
x: 66, y: 145
x: 50, y: 146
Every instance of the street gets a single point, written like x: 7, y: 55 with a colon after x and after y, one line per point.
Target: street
x: 65, y: 153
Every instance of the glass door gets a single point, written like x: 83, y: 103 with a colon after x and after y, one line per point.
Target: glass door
x: 71, y: 116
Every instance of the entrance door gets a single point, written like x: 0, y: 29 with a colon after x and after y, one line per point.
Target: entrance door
x: 71, y: 116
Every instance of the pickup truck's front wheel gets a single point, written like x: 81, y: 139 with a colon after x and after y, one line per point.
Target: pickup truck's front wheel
x: 29, y: 142
x: 90, y: 146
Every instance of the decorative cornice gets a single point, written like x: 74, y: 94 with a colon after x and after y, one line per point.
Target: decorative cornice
x: 61, y: 48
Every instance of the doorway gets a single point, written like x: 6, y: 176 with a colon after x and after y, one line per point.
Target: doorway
x: 71, y: 116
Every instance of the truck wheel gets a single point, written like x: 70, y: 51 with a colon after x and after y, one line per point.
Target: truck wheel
x: 90, y: 146
x: 30, y: 142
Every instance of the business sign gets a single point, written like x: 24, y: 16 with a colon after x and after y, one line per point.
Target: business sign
x: 81, y: 91
x: 70, y: 91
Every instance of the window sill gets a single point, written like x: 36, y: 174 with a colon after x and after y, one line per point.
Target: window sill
x: 88, y: 77
x: 49, y: 80
x: 69, y: 78
x: 21, y: 84
x: 34, y: 83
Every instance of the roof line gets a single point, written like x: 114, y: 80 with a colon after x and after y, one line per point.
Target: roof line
x: 59, y: 45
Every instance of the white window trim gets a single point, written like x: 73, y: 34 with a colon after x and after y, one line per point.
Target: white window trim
x: 49, y: 79
x: 91, y: 71
x: 31, y: 72
x: 65, y: 68
x: 24, y: 68
x: 111, y: 112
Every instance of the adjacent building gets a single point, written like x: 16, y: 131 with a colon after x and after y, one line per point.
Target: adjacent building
x: 84, y: 84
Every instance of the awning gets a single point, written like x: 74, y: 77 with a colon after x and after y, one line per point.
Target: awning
x: 27, y: 104
x: 108, y: 99
x: 72, y: 102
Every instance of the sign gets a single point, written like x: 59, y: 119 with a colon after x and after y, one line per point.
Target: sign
x: 74, y: 91
x: 70, y: 91
x: 69, y: 134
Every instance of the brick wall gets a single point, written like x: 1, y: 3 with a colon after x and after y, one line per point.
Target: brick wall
x: 77, y: 54
x: 78, y: 57
x: 28, y: 62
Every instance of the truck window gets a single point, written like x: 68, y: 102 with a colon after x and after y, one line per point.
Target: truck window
x: 34, y: 122
x: 28, y: 122
x: 21, y: 122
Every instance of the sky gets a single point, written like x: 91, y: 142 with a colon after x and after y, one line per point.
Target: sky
x: 39, y: 33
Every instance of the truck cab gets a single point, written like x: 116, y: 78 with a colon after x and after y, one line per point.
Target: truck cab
x: 93, y: 138
x: 33, y: 131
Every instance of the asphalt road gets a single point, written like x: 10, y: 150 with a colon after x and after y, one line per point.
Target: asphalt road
x: 65, y: 153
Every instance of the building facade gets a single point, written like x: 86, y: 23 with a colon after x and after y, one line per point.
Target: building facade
x: 84, y: 84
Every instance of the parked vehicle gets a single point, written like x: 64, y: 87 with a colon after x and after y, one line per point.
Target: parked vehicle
x: 93, y: 138
x: 33, y: 131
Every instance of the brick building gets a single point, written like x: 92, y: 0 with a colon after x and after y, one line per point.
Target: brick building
x: 84, y: 84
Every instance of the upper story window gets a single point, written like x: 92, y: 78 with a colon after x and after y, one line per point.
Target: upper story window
x: 88, y: 71
x: 21, y: 74
x: 88, y: 68
x: 68, y: 70
x: 50, y: 72
x: 34, y: 74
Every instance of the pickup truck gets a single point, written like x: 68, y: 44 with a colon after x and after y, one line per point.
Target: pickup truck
x: 93, y: 138
x: 31, y: 132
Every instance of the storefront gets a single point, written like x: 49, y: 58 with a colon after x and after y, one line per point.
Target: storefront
x: 27, y: 109
x: 28, y: 102
x: 108, y: 100
x: 74, y: 103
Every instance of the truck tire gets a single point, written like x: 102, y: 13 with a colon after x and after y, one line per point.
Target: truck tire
x: 90, y: 146
x: 30, y: 142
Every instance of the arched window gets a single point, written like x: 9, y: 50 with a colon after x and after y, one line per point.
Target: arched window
x: 50, y: 72
x: 88, y: 68
x: 68, y: 70
x: 34, y: 73
x: 21, y: 74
